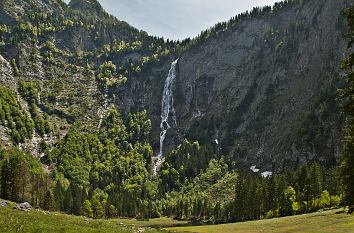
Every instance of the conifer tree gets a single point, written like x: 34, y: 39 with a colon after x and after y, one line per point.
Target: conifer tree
x: 97, y: 208
x: 59, y: 196
x: 77, y: 200
x: 48, y: 203
x: 87, y: 209
x: 68, y: 200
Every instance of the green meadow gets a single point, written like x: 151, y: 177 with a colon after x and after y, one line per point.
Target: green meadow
x: 332, y: 221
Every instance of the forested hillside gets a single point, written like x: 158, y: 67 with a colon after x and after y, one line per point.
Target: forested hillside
x: 87, y: 102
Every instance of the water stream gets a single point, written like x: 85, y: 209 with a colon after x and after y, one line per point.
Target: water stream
x: 168, y: 114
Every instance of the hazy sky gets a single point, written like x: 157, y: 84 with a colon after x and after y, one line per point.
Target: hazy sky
x: 177, y: 19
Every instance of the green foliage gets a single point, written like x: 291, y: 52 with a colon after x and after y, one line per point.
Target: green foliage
x: 3, y: 28
x: 15, y: 67
x: 113, y: 127
x: 121, y: 47
x: 22, y: 179
x: 219, y: 195
x: 87, y: 209
x: 97, y: 208
x: 14, y: 117
x: 48, y: 202
x: 77, y: 153
x: 139, y: 126
x: 185, y: 162
x: 59, y: 195
x: 107, y: 75
x: 109, y: 173
x: 290, y: 201
x: 346, y: 96
x: 30, y: 92
x: 113, y: 165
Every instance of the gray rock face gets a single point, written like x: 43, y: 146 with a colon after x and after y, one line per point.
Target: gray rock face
x: 87, y: 6
x: 261, y: 79
x: 265, y: 88
x: 6, y: 74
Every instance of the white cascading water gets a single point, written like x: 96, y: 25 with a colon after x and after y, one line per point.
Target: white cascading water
x: 167, y: 111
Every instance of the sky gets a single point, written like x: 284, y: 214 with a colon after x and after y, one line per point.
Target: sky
x: 177, y: 19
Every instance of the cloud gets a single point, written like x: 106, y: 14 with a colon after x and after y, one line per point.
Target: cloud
x: 177, y: 19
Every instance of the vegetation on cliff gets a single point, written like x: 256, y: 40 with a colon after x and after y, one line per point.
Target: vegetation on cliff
x: 97, y: 160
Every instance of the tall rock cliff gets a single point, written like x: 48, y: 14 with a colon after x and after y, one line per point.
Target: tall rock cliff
x: 267, y: 86
x: 262, y: 89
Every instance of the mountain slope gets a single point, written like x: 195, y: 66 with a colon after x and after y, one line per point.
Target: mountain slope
x: 81, y: 108
x: 272, y: 82
x: 65, y: 46
x: 264, y: 88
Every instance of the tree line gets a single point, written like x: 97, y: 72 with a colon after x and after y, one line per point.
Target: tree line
x: 346, y: 99
x: 220, y: 195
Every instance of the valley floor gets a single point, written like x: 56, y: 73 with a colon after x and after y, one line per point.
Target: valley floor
x: 40, y: 221
x: 332, y: 221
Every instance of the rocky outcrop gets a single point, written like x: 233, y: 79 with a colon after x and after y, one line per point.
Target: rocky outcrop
x: 6, y: 74
x: 7, y: 79
x: 88, y: 6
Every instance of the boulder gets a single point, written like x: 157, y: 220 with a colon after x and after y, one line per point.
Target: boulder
x: 23, y: 206
x: 4, y: 203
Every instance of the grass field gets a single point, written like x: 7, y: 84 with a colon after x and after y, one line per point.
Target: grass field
x: 333, y: 221
x: 162, y: 222
x: 37, y: 222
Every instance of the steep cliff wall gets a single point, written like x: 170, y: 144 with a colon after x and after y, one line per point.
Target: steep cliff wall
x: 269, y: 84
x: 264, y: 89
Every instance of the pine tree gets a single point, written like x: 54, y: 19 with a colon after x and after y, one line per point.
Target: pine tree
x: 98, y: 210
x: 316, y: 183
x: 305, y: 186
x: 11, y: 175
x: 87, y: 209
x: 290, y: 198
x: 77, y: 201
x: 5, y: 179
x: 271, y: 197
x: 48, y: 203
x: 59, y: 196
x: 240, y: 202
x: 68, y: 200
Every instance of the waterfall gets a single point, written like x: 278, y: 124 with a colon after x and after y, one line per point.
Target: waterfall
x: 167, y: 111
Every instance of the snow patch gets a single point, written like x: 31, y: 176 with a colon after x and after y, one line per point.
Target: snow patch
x: 267, y: 174
x: 254, y: 169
